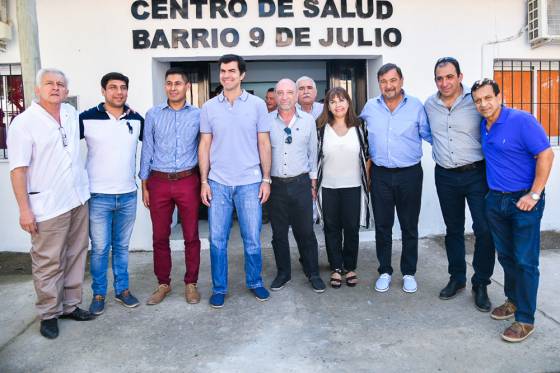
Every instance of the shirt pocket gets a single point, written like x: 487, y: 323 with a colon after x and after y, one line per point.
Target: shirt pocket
x: 41, y: 203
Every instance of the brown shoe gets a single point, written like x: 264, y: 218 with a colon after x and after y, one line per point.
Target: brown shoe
x: 191, y: 294
x: 518, y: 332
x: 504, y: 312
x: 158, y: 295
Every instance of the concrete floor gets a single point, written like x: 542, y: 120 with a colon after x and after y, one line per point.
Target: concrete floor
x: 297, y: 330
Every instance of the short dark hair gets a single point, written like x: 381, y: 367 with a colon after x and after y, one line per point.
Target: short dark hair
x: 227, y: 58
x: 444, y: 61
x: 271, y: 89
x: 484, y: 82
x: 388, y: 67
x: 177, y: 70
x: 113, y: 76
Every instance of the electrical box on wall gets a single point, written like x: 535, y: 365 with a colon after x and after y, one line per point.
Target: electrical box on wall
x: 543, y: 22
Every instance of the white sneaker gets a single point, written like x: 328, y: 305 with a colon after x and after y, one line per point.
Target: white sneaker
x: 409, y: 284
x: 383, y: 282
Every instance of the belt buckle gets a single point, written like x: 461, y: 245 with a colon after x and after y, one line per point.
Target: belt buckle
x: 172, y: 176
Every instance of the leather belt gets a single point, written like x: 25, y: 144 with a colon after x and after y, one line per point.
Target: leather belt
x: 524, y: 191
x: 395, y: 169
x: 467, y: 167
x: 173, y: 175
x: 286, y: 180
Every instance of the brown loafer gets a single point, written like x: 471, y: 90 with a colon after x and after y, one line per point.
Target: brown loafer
x: 192, y: 295
x: 518, y: 332
x: 158, y: 295
x: 504, y: 312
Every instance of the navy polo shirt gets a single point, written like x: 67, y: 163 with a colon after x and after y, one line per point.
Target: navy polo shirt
x: 510, y: 148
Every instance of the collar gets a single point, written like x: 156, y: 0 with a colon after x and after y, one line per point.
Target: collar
x: 381, y: 100
x: 165, y: 105
x: 243, y: 97
x: 466, y: 92
x: 126, y: 110
x: 504, y: 113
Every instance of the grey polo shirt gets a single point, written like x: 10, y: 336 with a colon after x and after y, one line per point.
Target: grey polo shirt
x: 300, y: 156
x: 234, y: 153
x: 455, y: 131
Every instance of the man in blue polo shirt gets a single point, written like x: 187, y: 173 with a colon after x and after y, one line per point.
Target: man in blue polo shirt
x: 518, y: 162
x: 234, y: 160
x: 111, y: 131
x: 396, y: 123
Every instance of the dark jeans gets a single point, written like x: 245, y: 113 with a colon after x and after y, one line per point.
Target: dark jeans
x: 517, y: 237
x: 341, y: 217
x: 400, y: 188
x: 453, y: 188
x: 291, y: 203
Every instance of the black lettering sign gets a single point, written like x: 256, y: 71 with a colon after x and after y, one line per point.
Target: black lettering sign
x: 179, y: 36
x: 257, y: 36
x: 137, y: 10
x: 310, y: 8
x: 160, y: 40
x: 360, y: 9
x: 218, y: 6
x: 384, y: 9
x: 237, y: 13
x: 302, y: 37
x: 182, y: 9
x: 394, y: 34
x: 234, y: 37
x: 285, y: 8
x: 284, y: 36
x: 140, y: 39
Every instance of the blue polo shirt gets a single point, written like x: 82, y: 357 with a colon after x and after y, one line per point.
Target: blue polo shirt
x: 234, y: 153
x: 510, y: 148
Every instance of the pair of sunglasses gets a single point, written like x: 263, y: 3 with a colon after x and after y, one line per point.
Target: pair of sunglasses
x: 288, y: 131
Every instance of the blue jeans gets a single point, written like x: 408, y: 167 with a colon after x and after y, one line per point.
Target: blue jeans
x: 245, y: 199
x: 111, y: 219
x: 517, y: 238
x: 453, y: 189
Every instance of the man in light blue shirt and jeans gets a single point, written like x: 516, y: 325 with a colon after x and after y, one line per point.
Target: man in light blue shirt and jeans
x: 396, y: 124
x: 234, y: 160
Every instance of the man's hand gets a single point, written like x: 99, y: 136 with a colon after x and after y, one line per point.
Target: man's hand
x: 526, y: 203
x: 264, y: 192
x: 145, y: 196
x: 27, y: 221
x: 205, y: 193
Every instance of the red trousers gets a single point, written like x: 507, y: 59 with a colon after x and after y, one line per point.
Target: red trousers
x: 164, y: 196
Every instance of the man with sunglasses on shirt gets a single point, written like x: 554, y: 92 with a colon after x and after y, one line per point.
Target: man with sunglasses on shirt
x: 51, y: 188
x: 293, y: 189
x: 111, y: 131
x: 460, y: 176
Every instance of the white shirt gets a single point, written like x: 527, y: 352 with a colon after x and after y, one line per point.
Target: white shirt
x: 57, y: 180
x: 111, y: 143
x: 316, y: 109
x: 341, y: 159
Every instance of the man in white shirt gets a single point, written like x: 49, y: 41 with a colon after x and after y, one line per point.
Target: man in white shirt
x: 51, y: 188
x: 111, y: 131
x: 307, y: 94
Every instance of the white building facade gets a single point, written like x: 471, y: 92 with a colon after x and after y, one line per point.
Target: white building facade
x: 337, y: 42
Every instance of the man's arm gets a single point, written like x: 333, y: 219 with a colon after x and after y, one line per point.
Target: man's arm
x: 204, y: 167
x: 146, y: 157
x: 265, y: 154
x: 544, y: 165
x: 19, y: 184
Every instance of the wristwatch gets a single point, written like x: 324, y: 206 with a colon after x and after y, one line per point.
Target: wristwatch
x: 269, y: 181
x: 535, y: 196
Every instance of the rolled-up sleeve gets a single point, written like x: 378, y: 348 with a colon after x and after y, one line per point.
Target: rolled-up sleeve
x: 147, y: 147
x: 20, y: 146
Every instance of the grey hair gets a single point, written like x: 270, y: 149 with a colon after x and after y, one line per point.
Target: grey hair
x: 292, y: 83
x: 49, y: 70
x: 305, y: 77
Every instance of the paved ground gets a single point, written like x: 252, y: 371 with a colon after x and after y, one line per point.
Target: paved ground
x: 344, y: 330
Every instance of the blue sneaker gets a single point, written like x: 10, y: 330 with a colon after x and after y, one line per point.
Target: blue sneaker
x: 97, y: 305
x: 217, y: 300
x: 261, y: 293
x: 127, y: 299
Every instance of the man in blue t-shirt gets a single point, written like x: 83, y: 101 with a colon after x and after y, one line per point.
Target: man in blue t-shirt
x: 518, y: 162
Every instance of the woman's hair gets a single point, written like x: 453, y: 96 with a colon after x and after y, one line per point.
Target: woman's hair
x: 326, y: 116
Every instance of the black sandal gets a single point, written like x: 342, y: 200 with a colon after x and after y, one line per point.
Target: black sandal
x: 351, y: 281
x: 336, y: 282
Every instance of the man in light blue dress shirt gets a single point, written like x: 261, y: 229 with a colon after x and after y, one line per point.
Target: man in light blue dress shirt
x: 234, y: 159
x: 397, y: 124
x: 169, y: 174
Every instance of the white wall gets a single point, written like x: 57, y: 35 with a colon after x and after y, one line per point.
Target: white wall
x: 88, y: 39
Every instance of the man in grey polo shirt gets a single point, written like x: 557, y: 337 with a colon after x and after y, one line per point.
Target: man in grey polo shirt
x: 234, y: 160
x: 294, y: 183
x: 460, y: 175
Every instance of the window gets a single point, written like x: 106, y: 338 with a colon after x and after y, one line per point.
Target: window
x: 533, y: 86
x: 11, y: 101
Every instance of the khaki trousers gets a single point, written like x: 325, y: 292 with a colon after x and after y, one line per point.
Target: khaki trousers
x: 58, y: 258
